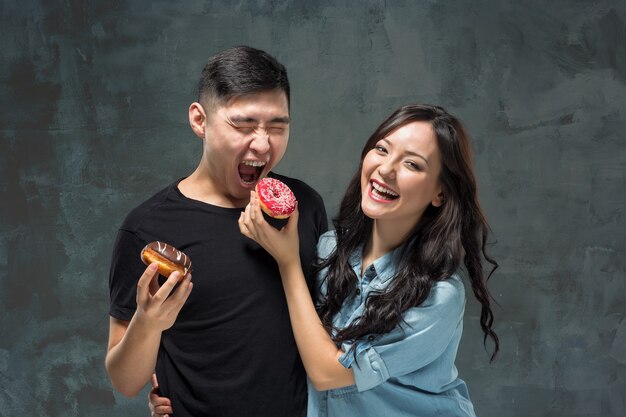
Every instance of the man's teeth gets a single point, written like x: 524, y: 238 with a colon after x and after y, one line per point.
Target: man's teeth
x: 254, y: 163
x: 383, y: 190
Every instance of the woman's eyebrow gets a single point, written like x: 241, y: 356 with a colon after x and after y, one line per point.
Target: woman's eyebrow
x: 411, y: 153
x: 408, y: 152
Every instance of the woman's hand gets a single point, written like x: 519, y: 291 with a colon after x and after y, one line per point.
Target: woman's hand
x: 283, y: 245
x: 159, y: 406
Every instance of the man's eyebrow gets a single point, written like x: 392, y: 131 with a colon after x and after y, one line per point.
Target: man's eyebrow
x: 242, y: 119
x: 246, y: 119
x: 282, y: 119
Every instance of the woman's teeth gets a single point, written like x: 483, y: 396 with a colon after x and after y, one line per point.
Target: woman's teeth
x: 382, y: 192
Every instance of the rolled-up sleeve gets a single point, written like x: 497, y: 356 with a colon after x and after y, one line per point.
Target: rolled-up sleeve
x: 426, y: 333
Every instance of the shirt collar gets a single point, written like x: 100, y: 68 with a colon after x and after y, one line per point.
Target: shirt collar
x: 385, y: 266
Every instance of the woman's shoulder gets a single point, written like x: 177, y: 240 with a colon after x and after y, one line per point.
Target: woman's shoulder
x: 326, y: 244
x: 449, y: 291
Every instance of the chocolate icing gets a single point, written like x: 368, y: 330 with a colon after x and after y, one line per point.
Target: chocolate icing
x: 171, y: 253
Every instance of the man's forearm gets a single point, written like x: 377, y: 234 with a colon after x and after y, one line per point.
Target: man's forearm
x: 131, y: 362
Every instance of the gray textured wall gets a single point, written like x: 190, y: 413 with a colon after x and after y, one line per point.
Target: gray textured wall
x: 93, y: 121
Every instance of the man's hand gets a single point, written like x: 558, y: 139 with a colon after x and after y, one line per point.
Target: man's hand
x: 134, y: 346
x: 155, y: 308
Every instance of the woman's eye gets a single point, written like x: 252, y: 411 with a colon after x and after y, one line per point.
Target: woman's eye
x: 380, y: 149
x: 413, y: 165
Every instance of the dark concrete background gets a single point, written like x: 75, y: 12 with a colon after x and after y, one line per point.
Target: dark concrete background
x: 93, y: 121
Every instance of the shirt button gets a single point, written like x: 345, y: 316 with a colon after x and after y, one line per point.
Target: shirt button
x: 358, y: 291
x: 371, y: 338
x: 372, y: 269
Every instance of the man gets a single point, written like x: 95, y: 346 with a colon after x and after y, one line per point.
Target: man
x: 224, y: 348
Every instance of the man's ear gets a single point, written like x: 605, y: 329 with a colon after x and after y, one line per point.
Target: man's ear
x: 197, y: 119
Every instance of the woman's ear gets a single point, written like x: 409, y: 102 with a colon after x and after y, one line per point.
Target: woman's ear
x: 197, y: 119
x: 438, y: 200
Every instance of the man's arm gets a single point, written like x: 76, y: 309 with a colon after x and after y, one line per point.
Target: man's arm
x: 131, y: 355
x: 134, y: 345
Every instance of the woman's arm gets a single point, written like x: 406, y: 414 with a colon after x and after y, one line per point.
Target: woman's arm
x: 159, y: 406
x: 319, y: 353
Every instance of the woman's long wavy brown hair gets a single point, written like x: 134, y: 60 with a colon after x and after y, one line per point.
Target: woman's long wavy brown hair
x: 444, y: 238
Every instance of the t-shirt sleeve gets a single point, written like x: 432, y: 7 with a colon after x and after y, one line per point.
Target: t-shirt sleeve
x: 425, y: 335
x: 126, y: 268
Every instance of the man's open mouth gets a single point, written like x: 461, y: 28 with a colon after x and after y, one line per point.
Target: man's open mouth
x: 250, y: 171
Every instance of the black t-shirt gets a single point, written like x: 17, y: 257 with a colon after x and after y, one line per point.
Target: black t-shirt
x: 231, y: 351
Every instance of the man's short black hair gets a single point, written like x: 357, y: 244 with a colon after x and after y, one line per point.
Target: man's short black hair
x: 238, y: 71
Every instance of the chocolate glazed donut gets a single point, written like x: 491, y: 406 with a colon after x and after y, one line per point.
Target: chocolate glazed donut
x: 167, y: 257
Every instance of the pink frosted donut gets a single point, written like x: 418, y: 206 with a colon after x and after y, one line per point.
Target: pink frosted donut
x: 276, y: 198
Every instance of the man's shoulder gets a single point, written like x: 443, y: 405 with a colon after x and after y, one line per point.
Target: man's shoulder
x: 301, y: 189
x: 142, y: 211
x: 293, y: 183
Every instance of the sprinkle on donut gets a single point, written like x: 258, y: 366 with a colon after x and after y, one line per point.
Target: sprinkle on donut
x: 276, y: 199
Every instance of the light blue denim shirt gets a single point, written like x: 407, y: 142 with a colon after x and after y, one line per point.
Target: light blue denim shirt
x: 409, y: 371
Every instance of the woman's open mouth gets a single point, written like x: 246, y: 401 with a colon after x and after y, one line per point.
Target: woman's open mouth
x: 382, y: 193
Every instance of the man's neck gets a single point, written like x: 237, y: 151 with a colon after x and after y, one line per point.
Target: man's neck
x: 202, y: 187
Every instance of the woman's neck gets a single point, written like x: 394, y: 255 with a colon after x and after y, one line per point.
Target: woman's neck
x: 381, y: 241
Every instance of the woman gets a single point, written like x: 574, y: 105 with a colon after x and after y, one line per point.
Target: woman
x: 384, y: 336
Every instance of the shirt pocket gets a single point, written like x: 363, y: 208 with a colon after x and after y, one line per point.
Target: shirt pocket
x: 343, y: 392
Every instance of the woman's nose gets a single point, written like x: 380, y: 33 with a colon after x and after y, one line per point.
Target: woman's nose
x: 387, y: 170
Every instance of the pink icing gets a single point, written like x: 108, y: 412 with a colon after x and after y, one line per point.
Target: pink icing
x: 276, y: 196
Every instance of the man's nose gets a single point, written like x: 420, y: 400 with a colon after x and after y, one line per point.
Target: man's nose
x: 260, y: 141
